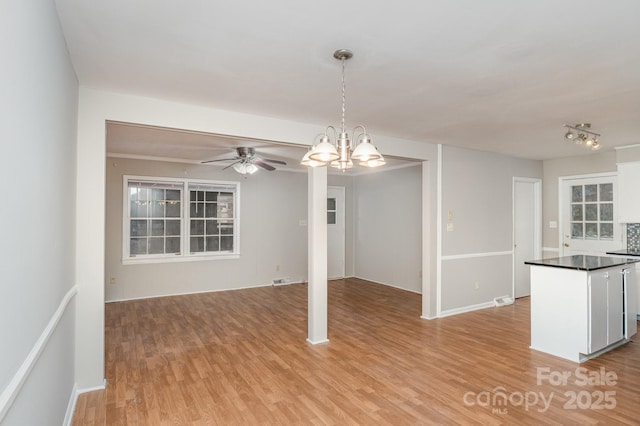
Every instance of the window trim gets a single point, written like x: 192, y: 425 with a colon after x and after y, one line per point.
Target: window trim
x: 185, y: 254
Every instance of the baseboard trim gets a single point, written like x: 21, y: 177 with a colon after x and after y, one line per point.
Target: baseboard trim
x: 474, y: 255
x: 319, y: 342
x: 287, y: 283
x: 186, y: 293
x: 387, y: 284
x: 73, y: 400
x: 465, y: 309
x: 103, y: 386
x: 71, y: 406
x: 10, y: 393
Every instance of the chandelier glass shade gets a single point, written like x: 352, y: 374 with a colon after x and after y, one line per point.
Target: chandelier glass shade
x: 581, y: 134
x: 341, y: 154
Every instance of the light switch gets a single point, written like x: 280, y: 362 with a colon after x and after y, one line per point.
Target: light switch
x: 553, y: 224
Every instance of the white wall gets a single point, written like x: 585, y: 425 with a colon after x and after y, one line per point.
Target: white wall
x: 271, y: 207
x: 553, y: 169
x: 477, y: 248
x: 388, y: 227
x: 38, y: 113
x: 627, y: 154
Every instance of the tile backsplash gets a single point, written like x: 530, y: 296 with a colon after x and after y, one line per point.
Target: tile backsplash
x: 633, y: 236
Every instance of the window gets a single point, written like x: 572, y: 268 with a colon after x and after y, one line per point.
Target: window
x: 331, y: 211
x: 592, y: 211
x: 211, y: 219
x: 169, y: 219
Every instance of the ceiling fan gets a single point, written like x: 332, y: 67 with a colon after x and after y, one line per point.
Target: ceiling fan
x: 245, y: 161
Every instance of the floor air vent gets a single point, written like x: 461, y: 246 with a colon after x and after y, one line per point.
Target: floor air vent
x: 503, y: 300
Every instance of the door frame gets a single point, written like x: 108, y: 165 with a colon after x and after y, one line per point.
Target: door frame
x: 342, y: 191
x: 537, y: 225
x: 561, y: 200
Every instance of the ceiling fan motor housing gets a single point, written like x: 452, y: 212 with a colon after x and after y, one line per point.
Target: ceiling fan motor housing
x: 245, y: 152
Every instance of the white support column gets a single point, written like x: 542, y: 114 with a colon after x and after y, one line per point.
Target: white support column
x: 317, y: 223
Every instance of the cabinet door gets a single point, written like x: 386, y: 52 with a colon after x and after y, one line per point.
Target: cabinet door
x: 598, y: 332
x: 628, y: 192
x: 615, y: 307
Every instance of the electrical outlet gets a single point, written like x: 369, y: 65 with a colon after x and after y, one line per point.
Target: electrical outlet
x: 277, y: 268
x: 476, y: 286
x: 112, y: 280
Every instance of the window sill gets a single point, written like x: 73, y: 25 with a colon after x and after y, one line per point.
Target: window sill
x: 172, y: 259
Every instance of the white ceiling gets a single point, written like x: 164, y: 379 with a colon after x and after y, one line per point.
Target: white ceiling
x: 130, y: 140
x: 496, y: 75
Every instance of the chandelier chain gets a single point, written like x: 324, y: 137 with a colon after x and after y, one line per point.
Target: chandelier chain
x: 343, y: 95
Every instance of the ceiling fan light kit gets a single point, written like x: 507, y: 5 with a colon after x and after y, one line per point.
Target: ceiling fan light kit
x: 581, y: 134
x: 342, y: 153
x: 246, y: 162
x: 245, y: 168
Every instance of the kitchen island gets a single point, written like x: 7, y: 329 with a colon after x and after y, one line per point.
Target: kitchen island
x: 582, y: 306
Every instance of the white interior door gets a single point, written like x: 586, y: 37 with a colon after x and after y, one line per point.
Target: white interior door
x: 335, y: 232
x: 526, y: 226
x: 588, y: 211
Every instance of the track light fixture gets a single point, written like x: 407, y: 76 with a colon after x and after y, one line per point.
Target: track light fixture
x: 581, y: 134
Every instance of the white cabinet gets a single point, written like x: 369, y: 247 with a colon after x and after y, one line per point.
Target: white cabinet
x: 576, y: 313
x: 629, y: 192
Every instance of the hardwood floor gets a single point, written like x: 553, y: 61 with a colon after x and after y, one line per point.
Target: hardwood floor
x: 240, y: 357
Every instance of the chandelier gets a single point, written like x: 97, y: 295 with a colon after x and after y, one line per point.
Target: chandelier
x: 581, y: 135
x: 342, y: 153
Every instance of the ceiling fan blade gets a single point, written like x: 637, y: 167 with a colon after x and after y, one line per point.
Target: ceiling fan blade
x: 213, y: 161
x: 268, y: 160
x: 232, y: 164
x: 264, y: 165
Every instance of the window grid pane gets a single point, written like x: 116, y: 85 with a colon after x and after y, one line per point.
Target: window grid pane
x: 592, y: 211
x: 211, y: 215
x: 331, y: 211
x: 149, y: 230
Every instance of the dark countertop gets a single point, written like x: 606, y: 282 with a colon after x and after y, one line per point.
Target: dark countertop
x: 625, y: 252
x: 582, y: 262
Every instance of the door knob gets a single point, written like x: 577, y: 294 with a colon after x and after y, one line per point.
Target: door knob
x: 566, y: 244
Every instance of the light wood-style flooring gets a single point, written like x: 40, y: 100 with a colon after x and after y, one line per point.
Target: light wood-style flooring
x: 240, y: 358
